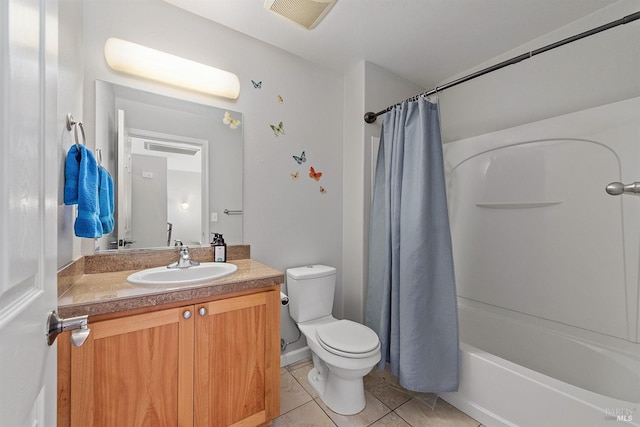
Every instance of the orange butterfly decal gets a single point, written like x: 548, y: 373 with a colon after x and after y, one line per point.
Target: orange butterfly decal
x: 295, y: 176
x: 313, y: 174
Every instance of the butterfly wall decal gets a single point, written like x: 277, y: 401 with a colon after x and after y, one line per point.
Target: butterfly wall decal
x: 228, y: 120
x: 313, y: 174
x: 277, y: 130
x: 256, y: 85
x: 301, y: 159
x: 322, y: 190
x: 295, y: 176
x: 280, y: 100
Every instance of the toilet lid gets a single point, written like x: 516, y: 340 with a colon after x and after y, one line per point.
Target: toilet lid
x: 345, y: 336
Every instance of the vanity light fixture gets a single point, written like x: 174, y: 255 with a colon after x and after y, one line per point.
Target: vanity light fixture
x: 142, y: 61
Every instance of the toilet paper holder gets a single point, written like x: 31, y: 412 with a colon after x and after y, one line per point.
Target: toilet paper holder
x: 284, y: 299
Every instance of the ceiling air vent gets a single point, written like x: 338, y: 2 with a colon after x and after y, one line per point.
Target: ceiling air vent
x: 307, y: 13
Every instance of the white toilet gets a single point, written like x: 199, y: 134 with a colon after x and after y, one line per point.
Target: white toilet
x: 343, y: 351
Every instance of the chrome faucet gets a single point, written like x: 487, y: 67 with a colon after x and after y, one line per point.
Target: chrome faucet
x: 185, y: 260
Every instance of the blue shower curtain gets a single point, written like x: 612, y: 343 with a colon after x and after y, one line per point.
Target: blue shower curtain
x: 411, y: 296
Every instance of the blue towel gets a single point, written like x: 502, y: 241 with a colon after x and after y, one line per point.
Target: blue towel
x: 81, y: 187
x: 71, y: 171
x: 106, y: 202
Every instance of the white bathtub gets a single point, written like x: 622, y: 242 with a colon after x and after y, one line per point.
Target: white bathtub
x: 547, y: 270
x: 499, y: 392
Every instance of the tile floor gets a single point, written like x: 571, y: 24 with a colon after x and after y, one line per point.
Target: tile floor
x: 388, y: 404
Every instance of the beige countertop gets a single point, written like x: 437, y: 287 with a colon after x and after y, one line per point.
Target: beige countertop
x: 109, y: 292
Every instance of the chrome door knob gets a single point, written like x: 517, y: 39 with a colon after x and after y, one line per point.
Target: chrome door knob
x: 186, y: 314
x: 78, y: 325
x: 202, y: 311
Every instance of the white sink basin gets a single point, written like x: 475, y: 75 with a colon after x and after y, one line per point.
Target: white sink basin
x: 163, y: 276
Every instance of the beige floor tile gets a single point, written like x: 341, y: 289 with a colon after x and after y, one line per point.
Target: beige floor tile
x: 371, y: 413
x: 307, y: 415
x: 385, y: 375
x: 443, y: 415
x: 429, y: 399
x: 292, y: 394
x: 447, y: 410
x: 300, y: 374
x: 390, y: 420
x: 387, y: 393
x: 386, y: 387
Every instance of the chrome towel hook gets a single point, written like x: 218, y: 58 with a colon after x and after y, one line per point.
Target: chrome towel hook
x: 72, y: 124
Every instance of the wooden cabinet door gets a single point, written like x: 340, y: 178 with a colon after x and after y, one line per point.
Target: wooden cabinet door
x: 135, y: 371
x: 237, y: 355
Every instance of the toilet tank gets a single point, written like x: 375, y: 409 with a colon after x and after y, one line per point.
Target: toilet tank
x: 310, y: 290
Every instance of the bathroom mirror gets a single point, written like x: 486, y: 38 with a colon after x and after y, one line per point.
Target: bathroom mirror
x: 176, y: 166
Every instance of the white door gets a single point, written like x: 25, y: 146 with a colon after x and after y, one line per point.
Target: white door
x: 28, y: 200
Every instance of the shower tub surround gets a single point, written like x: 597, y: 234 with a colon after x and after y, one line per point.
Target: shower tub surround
x: 547, y: 270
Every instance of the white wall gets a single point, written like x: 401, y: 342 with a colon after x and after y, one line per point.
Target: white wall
x: 352, y: 229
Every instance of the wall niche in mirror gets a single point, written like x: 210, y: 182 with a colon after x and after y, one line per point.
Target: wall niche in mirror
x: 176, y: 165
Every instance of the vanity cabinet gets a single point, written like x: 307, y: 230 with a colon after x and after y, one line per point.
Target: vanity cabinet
x: 214, y: 363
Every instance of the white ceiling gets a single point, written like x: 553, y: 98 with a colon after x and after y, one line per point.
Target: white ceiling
x: 424, y: 41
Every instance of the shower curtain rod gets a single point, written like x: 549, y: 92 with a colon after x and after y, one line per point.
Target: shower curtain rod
x: 370, y: 117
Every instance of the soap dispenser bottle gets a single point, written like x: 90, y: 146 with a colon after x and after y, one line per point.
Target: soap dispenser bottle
x: 219, y: 248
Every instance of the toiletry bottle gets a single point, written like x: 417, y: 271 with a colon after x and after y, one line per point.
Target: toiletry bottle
x: 219, y: 248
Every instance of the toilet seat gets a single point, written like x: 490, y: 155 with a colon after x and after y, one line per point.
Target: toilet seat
x: 348, y: 339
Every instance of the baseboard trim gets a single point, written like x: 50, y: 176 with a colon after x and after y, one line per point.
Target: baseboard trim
x: 294, y: 356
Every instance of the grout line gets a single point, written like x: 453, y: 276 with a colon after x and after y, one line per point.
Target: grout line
x: 380, y: 418
x: 399, y: 416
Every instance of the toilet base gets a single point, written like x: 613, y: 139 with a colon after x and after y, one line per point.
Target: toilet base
x: 343, y: 396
